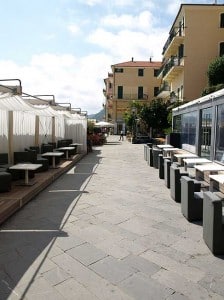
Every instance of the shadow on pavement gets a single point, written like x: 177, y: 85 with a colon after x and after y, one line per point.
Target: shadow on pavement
x: 26, y: 239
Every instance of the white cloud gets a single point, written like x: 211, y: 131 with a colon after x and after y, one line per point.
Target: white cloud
x: 126, y: 44
x: 91, y: 2
x: 141, y: 22
x: 124, y: 2
x: 73, y: 29
x: 78, y: 81
x: 109, y: 3
x: 173, y: 7
x: 125, y: 36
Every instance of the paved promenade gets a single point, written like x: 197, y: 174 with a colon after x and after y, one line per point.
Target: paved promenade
x: 107, y: 230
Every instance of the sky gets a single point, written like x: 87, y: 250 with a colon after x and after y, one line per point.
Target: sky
x: 66, y: 48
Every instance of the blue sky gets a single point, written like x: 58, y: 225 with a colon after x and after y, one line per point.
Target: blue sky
x: 66, y: 47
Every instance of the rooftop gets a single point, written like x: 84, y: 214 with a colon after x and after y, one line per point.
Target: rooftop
x: 133, y: 63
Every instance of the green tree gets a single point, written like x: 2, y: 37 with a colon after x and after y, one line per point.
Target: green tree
x: 215, y: 76
x: 132, y: 114
x: 129, y: 120
x: 155, y: 116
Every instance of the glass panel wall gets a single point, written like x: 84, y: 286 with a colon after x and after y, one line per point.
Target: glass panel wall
x: 205, y: 130
x: 177, y: 124
x: 188, y: 131
x: 219, y: 145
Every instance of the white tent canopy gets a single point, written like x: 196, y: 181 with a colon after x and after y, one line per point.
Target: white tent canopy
x: 23, y: 124
x: 103, y: 124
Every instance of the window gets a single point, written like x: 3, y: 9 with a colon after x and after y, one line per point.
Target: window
x: 156, y: 72
x: 177, y: 124
x: 140, y: 92
x: 221, y: 49
x: 188, y: 131
x: 110, y: 85
x: 180, y: 28
x: 140, y: 72
x: 182, y: 92
x: 183, y: 21
x: 119, y: 70
x: 178, y: 93
x: 181, y: 51
x: 156, y: 91
x: 222, y: 20
x: 219, y: 145
x: 205, y: 131
x: 120, y: 92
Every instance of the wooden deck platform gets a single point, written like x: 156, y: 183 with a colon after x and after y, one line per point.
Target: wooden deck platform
x: 19, y: 195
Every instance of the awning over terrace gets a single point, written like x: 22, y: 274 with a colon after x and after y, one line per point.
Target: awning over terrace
x: 23, y: 124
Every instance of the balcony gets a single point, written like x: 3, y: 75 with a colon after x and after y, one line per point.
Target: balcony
x: 175, y: 39
x: 173, y: 67
x: 164, y: 90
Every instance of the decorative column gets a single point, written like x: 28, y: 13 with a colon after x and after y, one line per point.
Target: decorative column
x: 36, y: 138
x: 10, y: 138
x: 53, y: 130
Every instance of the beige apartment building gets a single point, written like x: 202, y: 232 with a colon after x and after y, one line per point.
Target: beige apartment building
x: 108, y: 94
x: 129, y: 81
x: 195, y: 39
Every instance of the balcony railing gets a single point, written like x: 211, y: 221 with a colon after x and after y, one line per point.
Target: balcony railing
x: 164, y: 90
x: 176, y: 32
x: 173, y: 61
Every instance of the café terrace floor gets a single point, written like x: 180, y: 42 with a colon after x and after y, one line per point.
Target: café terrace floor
x: 106, y: 229
x: 20, y: 194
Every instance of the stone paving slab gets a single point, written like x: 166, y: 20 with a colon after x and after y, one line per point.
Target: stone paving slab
x: 107, y: 229
x: 139, y: 287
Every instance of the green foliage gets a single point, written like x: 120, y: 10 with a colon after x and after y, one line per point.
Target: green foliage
x: 129, y: 120
x: 132, y: 114
x: 213, y: 88
x: 155, y: 116
x: 170, y: 115
x: 216, y: 71
x: 90, y: 126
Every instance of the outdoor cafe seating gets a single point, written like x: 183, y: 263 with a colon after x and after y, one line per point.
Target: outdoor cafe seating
x: 213, y: 223
x: 6, y: 181
x: 196, y: 202
x: 191, y: 199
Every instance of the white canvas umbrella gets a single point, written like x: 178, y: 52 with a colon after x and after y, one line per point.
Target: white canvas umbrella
x: 103, y: 124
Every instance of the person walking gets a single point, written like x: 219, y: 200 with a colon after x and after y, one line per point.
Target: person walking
x: 121, y: 136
